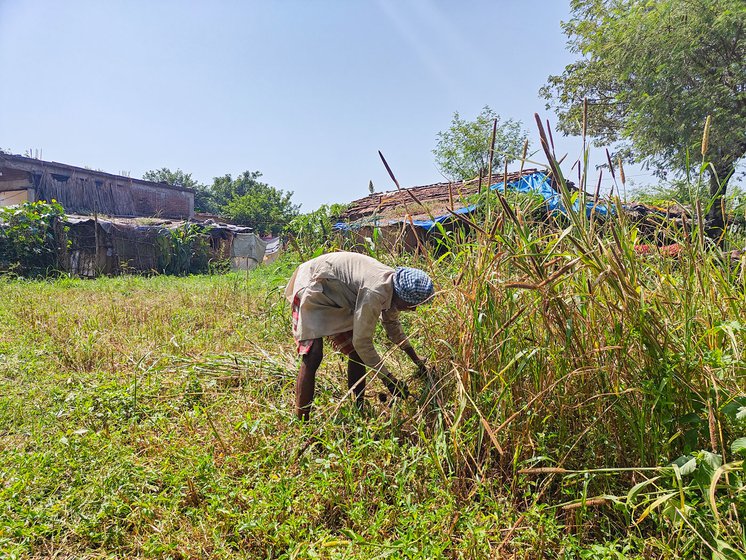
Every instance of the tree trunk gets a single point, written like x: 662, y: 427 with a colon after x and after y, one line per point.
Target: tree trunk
x: 719, y: 176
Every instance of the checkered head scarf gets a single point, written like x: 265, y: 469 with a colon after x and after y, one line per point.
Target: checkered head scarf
x: 413, y: 285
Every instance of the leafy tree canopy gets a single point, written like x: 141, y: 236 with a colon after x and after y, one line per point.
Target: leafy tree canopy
x: 463, y: 151
x: 652, y: 71
x: 244, y: 199
x: 177, y: 178
x: 247, y: 200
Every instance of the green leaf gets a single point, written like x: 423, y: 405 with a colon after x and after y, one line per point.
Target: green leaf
x: 689, y: 467
x: 713, y: 460
x: 635, y: 490
x: 725, y: 550
x: 654, y: 505
x: 681, y: 461
x: 739, y: 445
x: 691, y: 418
x: 708, y: 463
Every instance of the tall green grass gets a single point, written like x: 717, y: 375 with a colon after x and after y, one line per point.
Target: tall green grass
x: 587, y: 376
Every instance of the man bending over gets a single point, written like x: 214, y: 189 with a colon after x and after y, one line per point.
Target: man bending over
x: 342, y: 296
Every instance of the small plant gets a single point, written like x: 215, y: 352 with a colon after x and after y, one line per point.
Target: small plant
x: 32, y: 237
x: 314, y: 231
x: 184, y: 250
x: 698, y: 502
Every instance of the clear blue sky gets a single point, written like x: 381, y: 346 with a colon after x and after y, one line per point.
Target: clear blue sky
x: 305, y: 91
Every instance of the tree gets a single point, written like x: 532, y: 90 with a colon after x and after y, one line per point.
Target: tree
x: 225, y: 188
x: 652, y: 72
x: 176, y: 178
x: 203, y: 199
x: 463, y: 151
x: 247, y: 200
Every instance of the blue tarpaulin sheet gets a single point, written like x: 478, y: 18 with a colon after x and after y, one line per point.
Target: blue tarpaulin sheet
x: 535, y: 182
x: 540, y: 183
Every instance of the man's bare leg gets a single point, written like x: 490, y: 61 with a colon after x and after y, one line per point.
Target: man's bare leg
x: 356, y: 378
x: 306, y: 382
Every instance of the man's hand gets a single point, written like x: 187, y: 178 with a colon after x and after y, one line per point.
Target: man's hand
x: 422, y: 369
x: 424, y: 372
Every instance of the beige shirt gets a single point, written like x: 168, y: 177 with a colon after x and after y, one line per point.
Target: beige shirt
x: 342, y: 292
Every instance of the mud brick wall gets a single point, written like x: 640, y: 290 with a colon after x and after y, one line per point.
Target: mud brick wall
x: 158, y: 201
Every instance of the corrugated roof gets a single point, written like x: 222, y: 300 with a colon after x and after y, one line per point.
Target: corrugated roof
x: 158, y: 223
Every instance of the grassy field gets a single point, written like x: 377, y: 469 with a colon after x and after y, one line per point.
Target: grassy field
x: 152, y: 417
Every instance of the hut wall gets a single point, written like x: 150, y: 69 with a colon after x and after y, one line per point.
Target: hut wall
x: 8, y: 198
x: 15, y: 188
x: 91, y: 252
x: 140, y: 249
x: 86, y: 191
x: 89, y: 195
x: 110, y: 246
x: 102, y: 248
x: 221, y: 244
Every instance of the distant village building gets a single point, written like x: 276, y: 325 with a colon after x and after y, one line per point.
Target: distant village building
x: 116, y: 224
x: 420, y: 204
x: 89, y: 192
x: 408, y: 216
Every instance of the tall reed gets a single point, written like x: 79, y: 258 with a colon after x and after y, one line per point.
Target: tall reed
x: 558, y: 347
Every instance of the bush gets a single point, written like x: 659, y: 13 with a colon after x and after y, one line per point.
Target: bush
x: 31, y: 237
x: 313, y: 230
x: 184, y: 250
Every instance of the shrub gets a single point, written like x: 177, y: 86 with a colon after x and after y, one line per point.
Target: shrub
x: 31, y: 237
x: 184, y: 250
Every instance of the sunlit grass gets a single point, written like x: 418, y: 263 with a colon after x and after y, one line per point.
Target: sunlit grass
x: 152, y: 417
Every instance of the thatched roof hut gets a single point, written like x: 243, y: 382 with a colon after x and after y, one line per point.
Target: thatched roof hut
x: 419, y: 203
x: 406, y: 217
